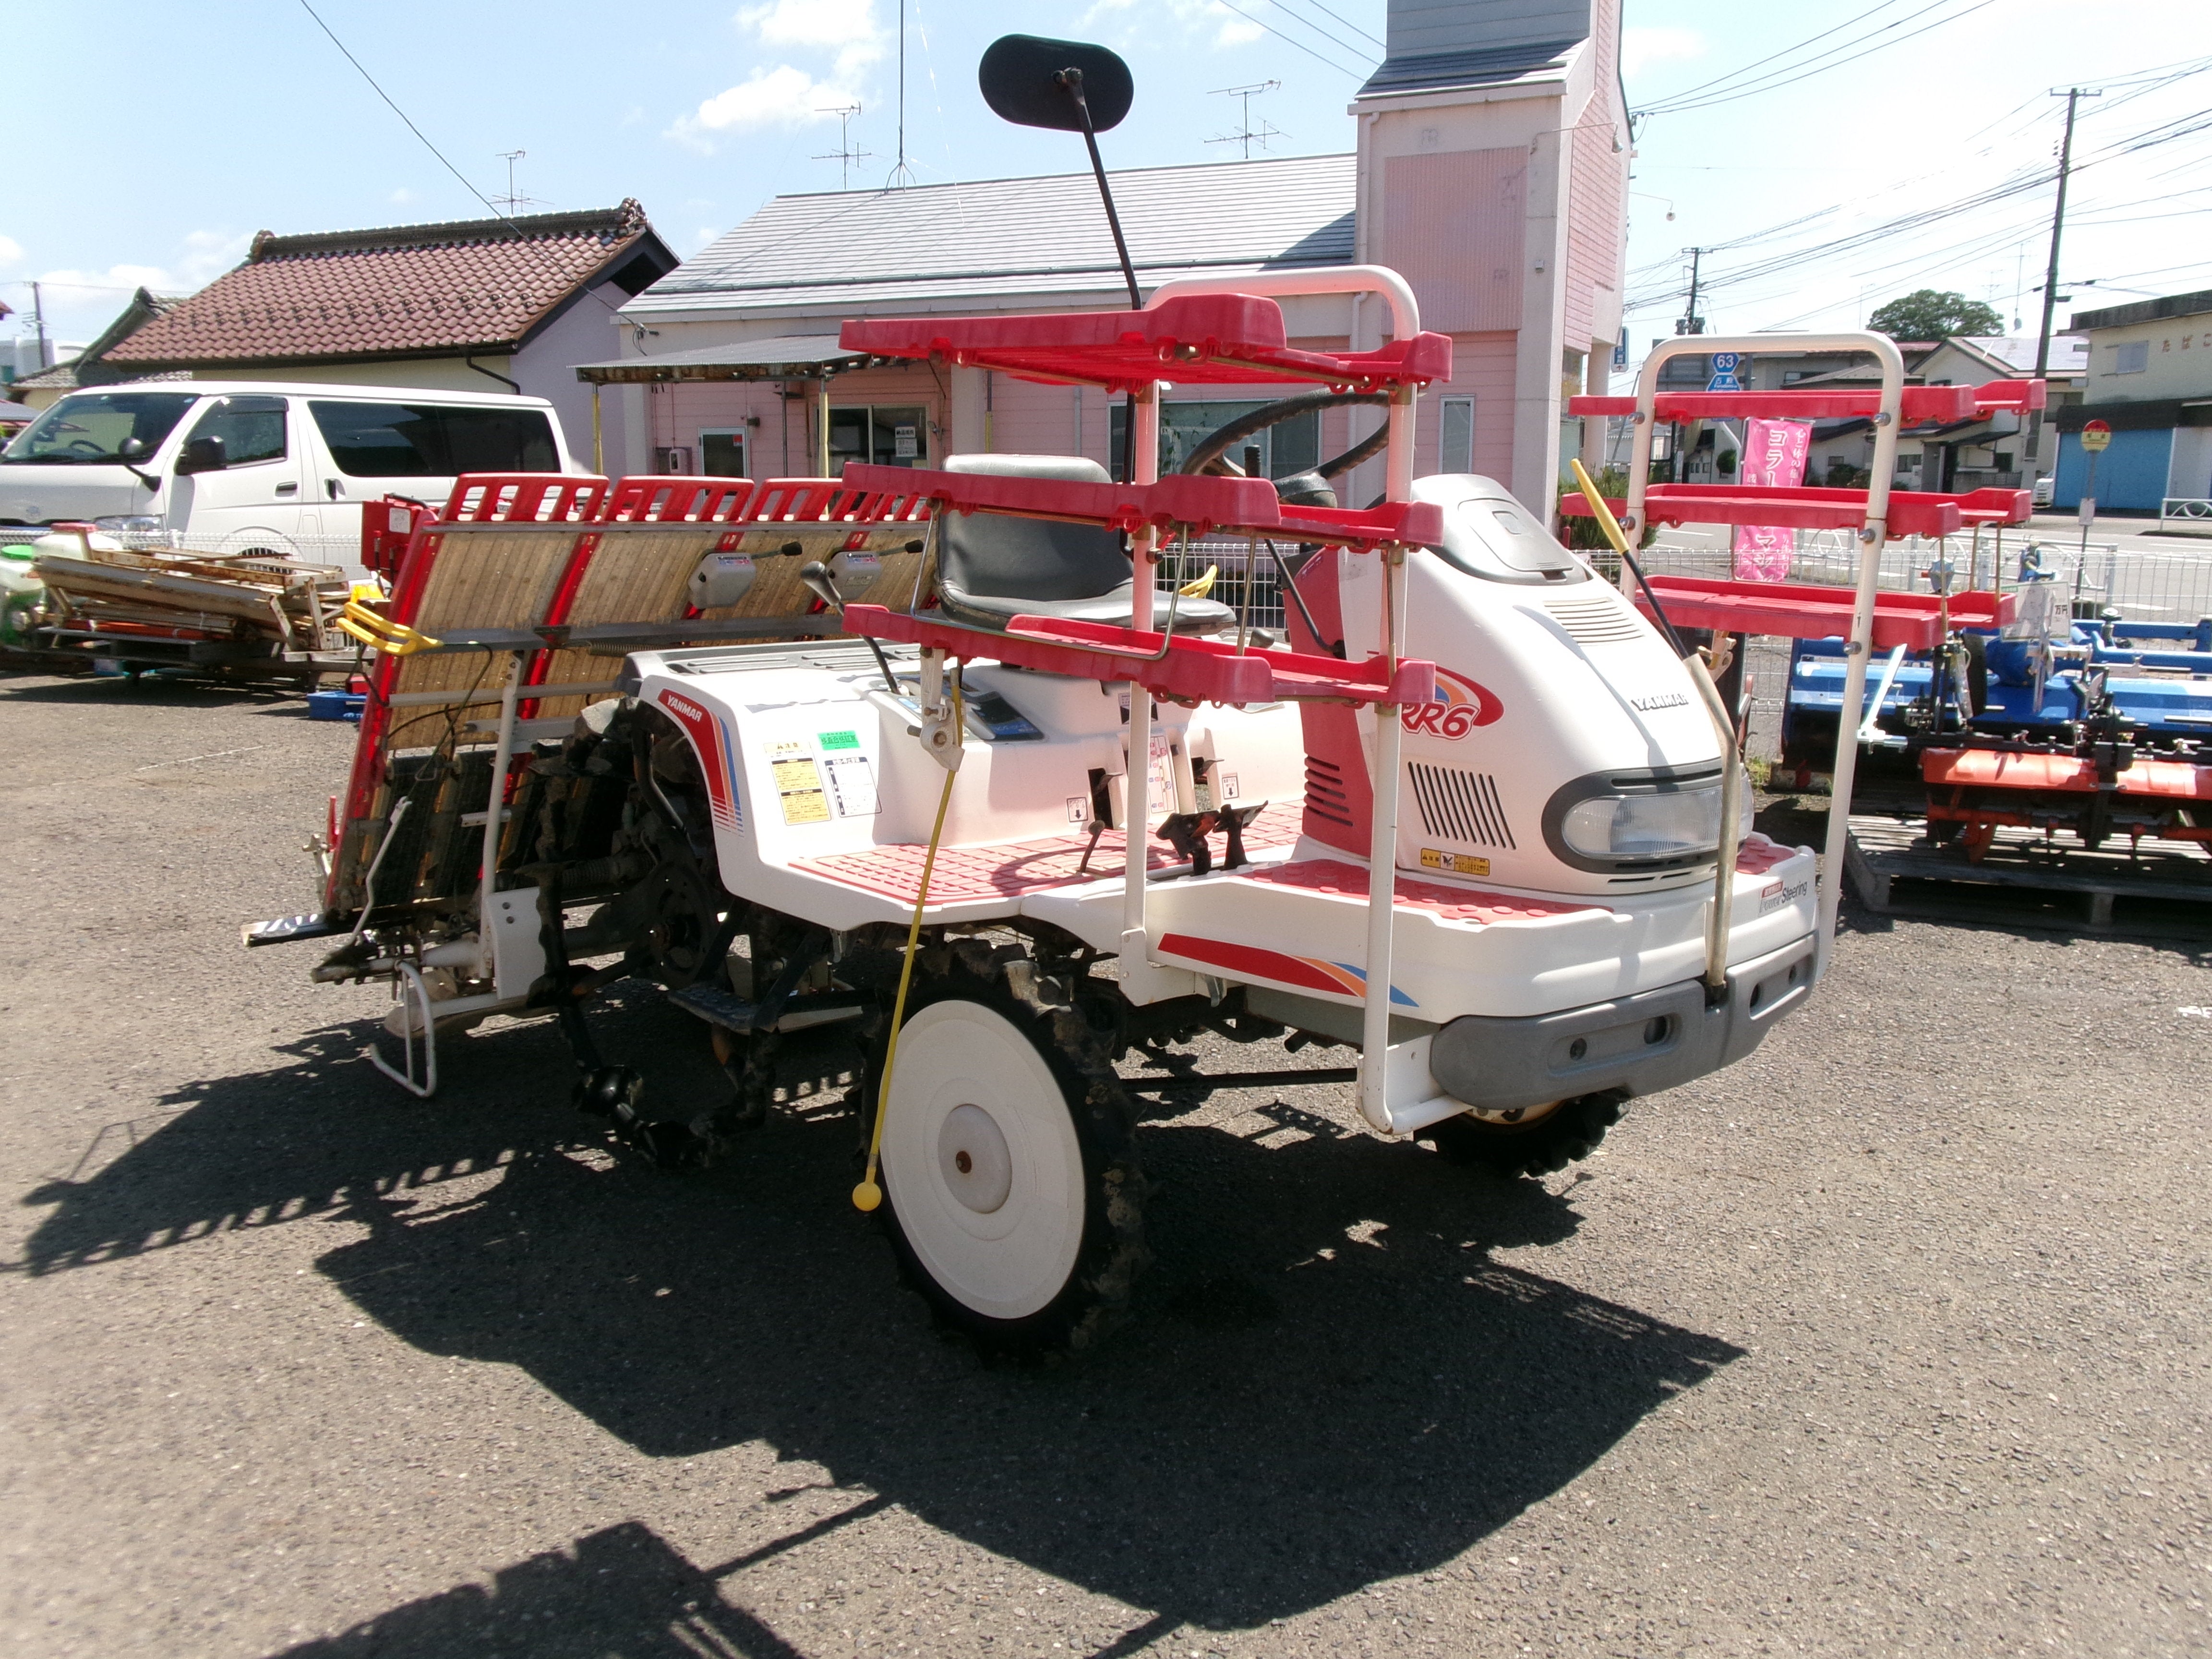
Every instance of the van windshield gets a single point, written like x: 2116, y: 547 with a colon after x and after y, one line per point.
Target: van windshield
x: 87, y: 428
x: 433, y: 440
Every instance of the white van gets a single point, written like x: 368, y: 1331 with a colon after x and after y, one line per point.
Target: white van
x: 240, y: 467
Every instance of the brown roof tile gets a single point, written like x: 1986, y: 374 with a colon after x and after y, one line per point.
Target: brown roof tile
x: 479, y: 284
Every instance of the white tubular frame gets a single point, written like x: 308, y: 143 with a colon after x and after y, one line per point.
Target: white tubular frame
x: 1857, y: 648
x: 1383, y: 846
x: 1137, y: 787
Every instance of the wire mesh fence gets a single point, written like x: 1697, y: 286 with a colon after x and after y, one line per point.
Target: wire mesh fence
x: 2143, y: 584
x: 1247, y: 576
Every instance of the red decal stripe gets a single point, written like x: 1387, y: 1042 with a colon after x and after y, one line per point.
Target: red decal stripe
x: 1251, y: 961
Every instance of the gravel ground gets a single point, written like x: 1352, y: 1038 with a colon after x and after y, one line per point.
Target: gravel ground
x: 1891, y: 1339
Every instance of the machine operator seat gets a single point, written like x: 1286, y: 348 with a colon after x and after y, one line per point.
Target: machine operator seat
x: 992, y: 567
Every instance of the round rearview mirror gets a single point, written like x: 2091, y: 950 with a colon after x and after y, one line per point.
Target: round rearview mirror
x: 1025, y: 79
x: 131, y: 449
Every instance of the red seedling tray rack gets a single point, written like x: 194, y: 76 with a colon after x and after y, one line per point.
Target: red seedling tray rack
x: 1201, y: 504
x: 1801, y: 611
x: 1920, y: 403
x: 1912, y: 513
x: 1191, y: 670
x: 1229, y: 339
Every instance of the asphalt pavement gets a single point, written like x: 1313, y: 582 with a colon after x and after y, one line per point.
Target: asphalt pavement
x: 1891, y: 1339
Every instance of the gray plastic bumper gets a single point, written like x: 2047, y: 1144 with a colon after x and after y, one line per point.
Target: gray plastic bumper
x: 1639, y: 1044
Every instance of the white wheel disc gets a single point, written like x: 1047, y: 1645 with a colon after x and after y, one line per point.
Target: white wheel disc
x: 981, y: 1162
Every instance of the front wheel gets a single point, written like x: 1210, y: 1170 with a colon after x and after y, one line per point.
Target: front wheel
x: 1010, y: 1185
x: 1533, y: 1142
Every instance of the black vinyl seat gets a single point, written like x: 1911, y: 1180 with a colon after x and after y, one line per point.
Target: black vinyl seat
x: 992, y: 567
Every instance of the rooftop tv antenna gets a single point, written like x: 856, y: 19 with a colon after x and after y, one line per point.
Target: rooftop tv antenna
x: 513, y: 199
x: 844, y: 154
x: 1247, y: 132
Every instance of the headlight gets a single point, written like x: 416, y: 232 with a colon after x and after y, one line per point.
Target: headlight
x: 135, y: 524
x: 1631, y: 822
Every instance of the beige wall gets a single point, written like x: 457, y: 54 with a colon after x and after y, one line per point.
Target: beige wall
x: 2177, y: 361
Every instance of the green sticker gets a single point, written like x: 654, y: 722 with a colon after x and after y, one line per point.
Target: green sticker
x: 841, y: 740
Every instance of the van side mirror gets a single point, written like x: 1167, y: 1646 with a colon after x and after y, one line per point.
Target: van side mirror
x: 203, y: 455
x: 131, y: 450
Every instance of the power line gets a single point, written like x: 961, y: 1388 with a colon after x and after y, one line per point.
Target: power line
x: 508, y: 218
x: 1734, y: 74
x: 1346, y: 21
x: 1336, y: 40
x: 1812, y: 67
x: 1356, y: 75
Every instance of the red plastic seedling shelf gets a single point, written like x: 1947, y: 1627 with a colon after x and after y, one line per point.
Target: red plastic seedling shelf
x: 1191, y: 670
x: 1801, y: 611
x: 1203, y: 505
x: 1912, y: 513
x: 1942, y: 403
x: 1213, y: 339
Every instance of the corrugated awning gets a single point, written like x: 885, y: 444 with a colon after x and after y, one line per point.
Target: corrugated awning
x: 786, y: 357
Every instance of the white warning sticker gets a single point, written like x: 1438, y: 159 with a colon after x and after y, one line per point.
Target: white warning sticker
x: 852, y: 783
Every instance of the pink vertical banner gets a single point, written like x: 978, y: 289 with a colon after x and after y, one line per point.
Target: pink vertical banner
x: 1773, y: 454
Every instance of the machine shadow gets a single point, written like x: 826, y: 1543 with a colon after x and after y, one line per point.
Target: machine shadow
x: 621, y: 1590
x: 1328, y: 1378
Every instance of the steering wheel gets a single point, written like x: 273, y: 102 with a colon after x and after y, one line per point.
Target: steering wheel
x: 86, y: 447
x: 1212, y: 452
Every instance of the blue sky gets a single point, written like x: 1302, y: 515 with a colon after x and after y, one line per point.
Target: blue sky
x: 230, y: 115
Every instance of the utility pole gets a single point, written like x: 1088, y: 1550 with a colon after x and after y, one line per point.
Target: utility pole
x: 1691, y: 323
x: 38, y: 311
x: 1247, y: 132
x: 845, y: 154
x: 2073, y: 96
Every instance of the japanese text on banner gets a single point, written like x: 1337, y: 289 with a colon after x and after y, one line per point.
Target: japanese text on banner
x: 1774, y: 454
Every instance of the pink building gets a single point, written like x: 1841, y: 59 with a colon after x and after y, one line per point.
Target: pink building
x: 1490, y: 168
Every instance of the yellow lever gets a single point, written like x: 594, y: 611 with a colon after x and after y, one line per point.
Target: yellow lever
x: 1202, y: 587
x: 1601, y: 509
x: 380, y: 633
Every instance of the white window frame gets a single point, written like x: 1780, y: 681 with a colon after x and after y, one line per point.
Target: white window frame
x: 744, y: 438
x: 1444, y: 409
x: 2140, y: 350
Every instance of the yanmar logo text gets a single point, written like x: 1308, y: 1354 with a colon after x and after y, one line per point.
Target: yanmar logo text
x: 682, y: 707
x: 1660, y: 700
x: 1460, y: 706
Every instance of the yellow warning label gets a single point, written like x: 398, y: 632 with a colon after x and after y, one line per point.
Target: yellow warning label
x: 798, y: 783
x: 1459, y: 863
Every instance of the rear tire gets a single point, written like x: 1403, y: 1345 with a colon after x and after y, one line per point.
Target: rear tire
x: 1011, y: 1187
x: 1543, y: 1141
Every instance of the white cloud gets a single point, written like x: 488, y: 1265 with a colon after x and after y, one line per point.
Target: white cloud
x: 1236, y: 31
x: 782, y: 96
x: 401, y: 197
x: 787, y: 96
x: 11, y: 252
x: 1230, y: 28
x: 1640, y: 48
x: 847, y: 26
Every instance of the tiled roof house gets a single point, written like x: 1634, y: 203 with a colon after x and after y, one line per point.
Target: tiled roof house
x: 483, y: 305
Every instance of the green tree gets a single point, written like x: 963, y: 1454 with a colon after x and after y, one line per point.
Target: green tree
x: 1928, y: 314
